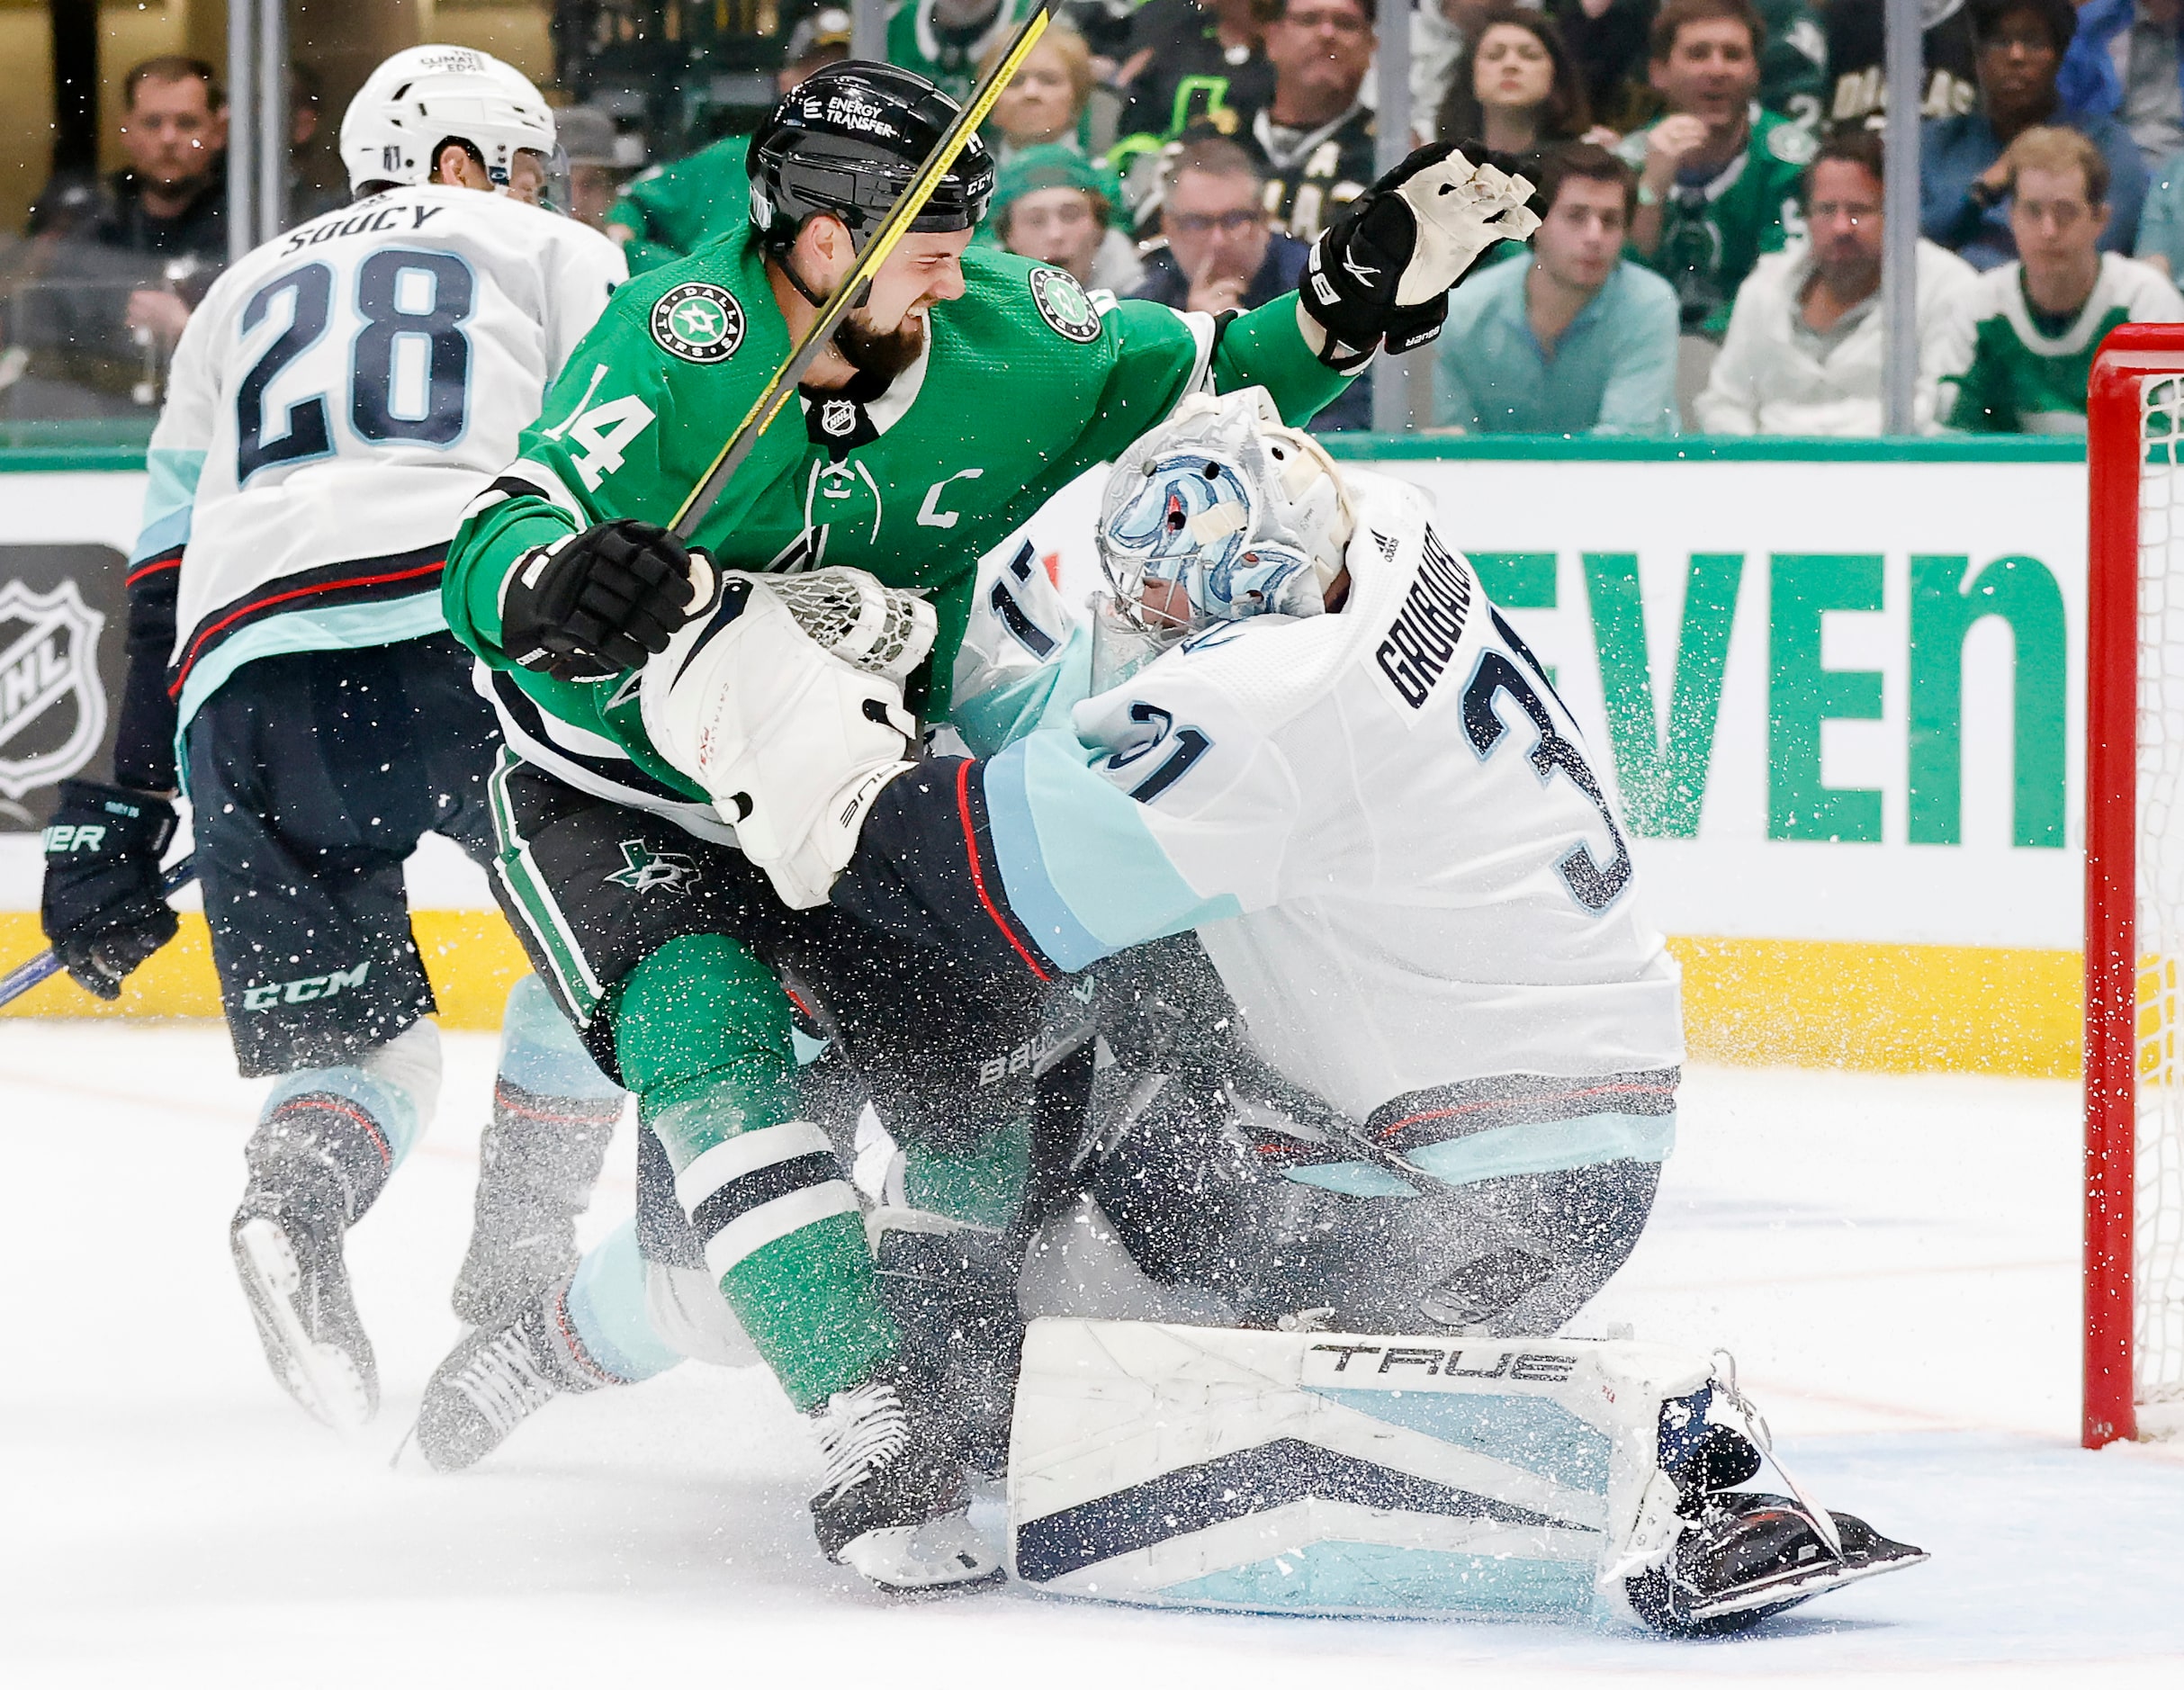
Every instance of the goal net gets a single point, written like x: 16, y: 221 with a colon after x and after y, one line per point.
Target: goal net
x: 2134, y: 890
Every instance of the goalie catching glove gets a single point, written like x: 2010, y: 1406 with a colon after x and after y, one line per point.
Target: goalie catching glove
x: 1383, y: 269
x: 786, y: 706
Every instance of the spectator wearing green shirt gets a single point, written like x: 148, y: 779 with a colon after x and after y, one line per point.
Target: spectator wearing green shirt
x: 944, y: 40
x: 1718, y: 177
x: 672, y: 210
x: 1578, y: 340
x: 2037, y: 323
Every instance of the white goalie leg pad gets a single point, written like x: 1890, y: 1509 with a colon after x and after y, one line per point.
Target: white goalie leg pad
x: 791, y: 742
x: 1325, y: 1473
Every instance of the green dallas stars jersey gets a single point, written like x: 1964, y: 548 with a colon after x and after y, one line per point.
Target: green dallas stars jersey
x: 2023, y: 380
x: 918, y: 41
x: 673, y: 210
x: 1026, y: 385
x: 1712, y: 236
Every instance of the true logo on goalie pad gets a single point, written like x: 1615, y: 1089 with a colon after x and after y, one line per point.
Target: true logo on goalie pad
x: 1204, y: 1467
x: 698, y: 322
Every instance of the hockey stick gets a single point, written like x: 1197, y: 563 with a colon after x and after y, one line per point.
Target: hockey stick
x: 46, y: 963
x: 893, y: 227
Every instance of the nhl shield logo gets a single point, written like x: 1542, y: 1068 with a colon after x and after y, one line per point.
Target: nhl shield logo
x: 52, y: 704
x: 838, y: 416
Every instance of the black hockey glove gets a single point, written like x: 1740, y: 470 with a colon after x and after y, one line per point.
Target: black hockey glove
x: 1383, y: 269
x: 102, y: 909
x: 601, y: 601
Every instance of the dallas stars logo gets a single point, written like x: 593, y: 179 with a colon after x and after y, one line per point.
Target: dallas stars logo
x: 1064, y: 306
x: 646, y: 868
x: 698, y: 322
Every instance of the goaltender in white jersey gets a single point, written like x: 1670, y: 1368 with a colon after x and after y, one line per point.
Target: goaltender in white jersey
x: 1371, y: 808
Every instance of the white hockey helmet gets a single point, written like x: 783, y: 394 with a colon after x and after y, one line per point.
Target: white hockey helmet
x: 1245, y: 514
x: 426, y: 97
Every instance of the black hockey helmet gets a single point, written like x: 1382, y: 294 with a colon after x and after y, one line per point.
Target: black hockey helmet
x: 847, y: 141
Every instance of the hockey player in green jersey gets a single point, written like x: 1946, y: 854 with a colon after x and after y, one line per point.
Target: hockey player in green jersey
x: 1718, y: 177
x: 967, y: 389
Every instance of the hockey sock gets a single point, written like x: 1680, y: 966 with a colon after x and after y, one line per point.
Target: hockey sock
x: 607, y: 1312
x: 540, y: 1053
x: 357, y: 1120
x: 983, y: 1186
x: 702, y: 1035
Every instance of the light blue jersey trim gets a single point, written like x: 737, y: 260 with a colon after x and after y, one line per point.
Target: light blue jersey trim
x: 1040, y: 699
x: 540, y: 1051
x: 607, y: 1309
x: 1537, y: 1146
x: 334, y: 628
x: 390, y: 1108
x: 1531, y: 1433
x: 1083, y: 873
x: 168, y: 501
x: 1347, y: 1577
x: 1352, y: 1179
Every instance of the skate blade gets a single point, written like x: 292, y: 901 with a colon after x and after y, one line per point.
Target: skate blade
x: 1787, y: 1589
x: 905, y: 1564
x: 322, y: 1377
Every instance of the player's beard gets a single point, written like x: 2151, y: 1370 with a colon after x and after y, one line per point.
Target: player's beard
x: 881, y: 356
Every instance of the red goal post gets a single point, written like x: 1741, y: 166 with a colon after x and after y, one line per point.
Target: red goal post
x: 2134, y: 887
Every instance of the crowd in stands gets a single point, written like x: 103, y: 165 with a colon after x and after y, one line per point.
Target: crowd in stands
x: 1709, y: 172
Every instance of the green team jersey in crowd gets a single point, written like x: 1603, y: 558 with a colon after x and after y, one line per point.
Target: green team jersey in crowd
x: 1793, y: 69
x: 1027, y: 384
x: 2028, y: 370
x: 673, y: 210
x: 1713, y: 233
x: 917, y: 40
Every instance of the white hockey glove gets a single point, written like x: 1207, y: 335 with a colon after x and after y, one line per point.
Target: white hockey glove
x: 786, y: 705
x: 1382, y: 270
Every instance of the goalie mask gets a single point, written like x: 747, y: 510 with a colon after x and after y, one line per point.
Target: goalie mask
x: 1223, y: 512
x: 421, y: 99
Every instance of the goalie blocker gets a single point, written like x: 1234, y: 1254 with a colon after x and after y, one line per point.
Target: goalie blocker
x: 1325, y: 1473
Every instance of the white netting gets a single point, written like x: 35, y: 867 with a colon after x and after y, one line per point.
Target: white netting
x: 878, y: 628
x: 2158, y: 1209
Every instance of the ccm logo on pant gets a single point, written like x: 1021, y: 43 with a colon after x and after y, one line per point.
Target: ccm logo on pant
x: 318, y: 985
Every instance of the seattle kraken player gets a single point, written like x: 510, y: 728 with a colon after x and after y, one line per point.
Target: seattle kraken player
x: 342, y: 394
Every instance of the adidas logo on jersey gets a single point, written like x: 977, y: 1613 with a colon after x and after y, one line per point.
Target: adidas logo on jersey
x: 1424, y: 633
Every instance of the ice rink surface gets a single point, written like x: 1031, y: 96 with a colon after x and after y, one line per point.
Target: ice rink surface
x: 1893, y: 1261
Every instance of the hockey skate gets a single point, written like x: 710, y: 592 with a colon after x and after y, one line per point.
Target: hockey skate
x: 314, y: 1168
x: 499, y: 1377
x: 893, y: 1504
x: 537, y: 1161
x: 1745, y: 1555
x: 1752, y: 1555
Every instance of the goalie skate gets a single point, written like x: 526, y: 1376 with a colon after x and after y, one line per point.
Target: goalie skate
x: 1756, y: 1555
